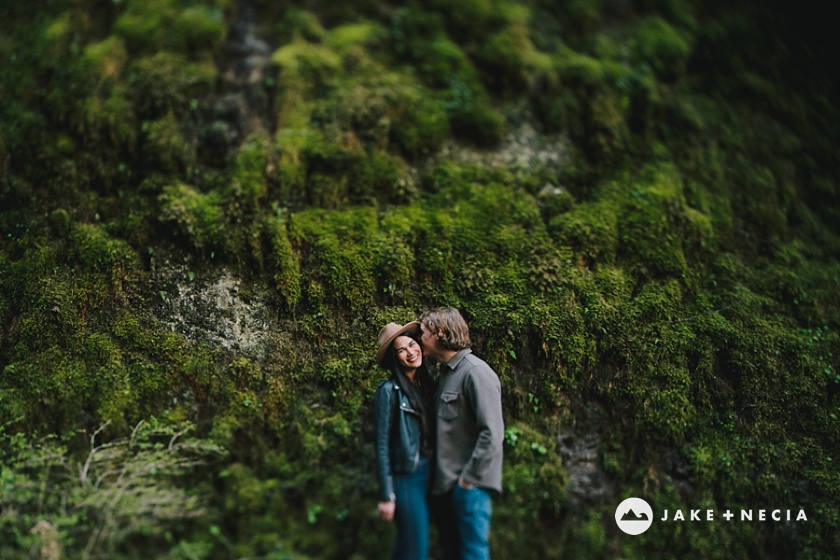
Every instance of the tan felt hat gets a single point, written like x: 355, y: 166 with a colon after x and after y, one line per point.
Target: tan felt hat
x: 391, y: 331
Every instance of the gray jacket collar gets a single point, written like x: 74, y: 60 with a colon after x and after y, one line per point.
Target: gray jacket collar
x: 456, y: 359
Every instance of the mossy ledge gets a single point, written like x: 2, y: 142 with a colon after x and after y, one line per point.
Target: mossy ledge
x: 209, y: 208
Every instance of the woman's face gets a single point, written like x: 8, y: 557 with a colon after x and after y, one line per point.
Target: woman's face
x: 409, y: 354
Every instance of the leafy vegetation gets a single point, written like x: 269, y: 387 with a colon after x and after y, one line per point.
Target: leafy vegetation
x: 199, y: 243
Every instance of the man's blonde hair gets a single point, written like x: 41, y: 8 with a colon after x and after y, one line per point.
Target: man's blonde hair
x: 449, y: 326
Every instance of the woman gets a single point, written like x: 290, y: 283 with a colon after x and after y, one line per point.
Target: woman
x: 403, y: 404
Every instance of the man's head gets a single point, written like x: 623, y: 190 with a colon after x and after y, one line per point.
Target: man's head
x: 444, y: 331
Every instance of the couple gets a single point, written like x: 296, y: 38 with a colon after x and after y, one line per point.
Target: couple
x: 445, y: 437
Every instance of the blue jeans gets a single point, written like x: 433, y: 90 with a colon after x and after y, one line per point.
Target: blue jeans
x: 463, y: 521
x: 412, y: 513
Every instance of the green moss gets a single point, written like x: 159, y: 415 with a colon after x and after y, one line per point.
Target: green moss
x: 585, y: 15
x: 284, y: 261
x: 683, y: 276
x: 290, y: 178
x: 107, y: 111
x: 681, y: 12
x: 443, y: 60
x: 662, y: 46
x: 590, y: 229
x: 107, y: 117
x: 340, y: 155
x: 477, y: 123
x: 308, y: 60
x: 199, y: 29
x: 243, y: 490
x: 70, y: 372
x: 535, y: 489
x: 337, y: 254
x: 512, y: 61
x: 164, y: 147
x: 249, y: 185
x: 97, y: 251
x: 196, y: 216
x: 326, y: 191
x: 349, y: 36
x: 593, y: 104
x: 381, y: 176
x: 652, y: 215
x: 303, y: 24
x: 468, y: 16
x: 421, y: 126
x: 190, y: 28
x: 164, y: 82
x: 442, y: 64
x: 377, y: 108
x: 394, y: 265
x: 108, y: 58
x: 60, y: 222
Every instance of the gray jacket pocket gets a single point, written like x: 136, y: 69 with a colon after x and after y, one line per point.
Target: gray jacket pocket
x: 449, y: 405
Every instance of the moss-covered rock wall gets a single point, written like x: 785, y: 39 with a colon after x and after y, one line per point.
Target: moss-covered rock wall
x: 210, y: 207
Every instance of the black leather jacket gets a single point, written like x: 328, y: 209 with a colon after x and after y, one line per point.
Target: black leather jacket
x: 397, y: 436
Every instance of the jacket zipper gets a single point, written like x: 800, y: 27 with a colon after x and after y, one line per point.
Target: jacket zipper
x: 411, y: 411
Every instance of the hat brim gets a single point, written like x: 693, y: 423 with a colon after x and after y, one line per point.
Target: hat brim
x: 412, y: 327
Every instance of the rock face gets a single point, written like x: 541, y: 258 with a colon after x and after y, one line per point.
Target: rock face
x: 523, y: 148
x: 243, y: 103
x: 579, y: 447
x: 246, y: 73
x: 219, y: 311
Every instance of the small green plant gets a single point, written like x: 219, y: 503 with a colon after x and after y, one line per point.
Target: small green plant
x: 312, y: 513
x: 539, y: 448
x: 534, y: 401
x: 512, y: 436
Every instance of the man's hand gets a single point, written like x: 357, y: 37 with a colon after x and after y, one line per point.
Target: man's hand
x: 464, y: 484
x: 386, y: 510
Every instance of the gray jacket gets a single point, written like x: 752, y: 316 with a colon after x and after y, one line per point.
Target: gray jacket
x: 470, y: 429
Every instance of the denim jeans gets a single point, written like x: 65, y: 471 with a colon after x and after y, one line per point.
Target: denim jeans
x: 412, y: 513
x: 463, y: 520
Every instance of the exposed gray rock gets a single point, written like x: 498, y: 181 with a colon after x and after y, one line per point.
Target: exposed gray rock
x: 523, y: 148
x: 220, y: 312
x: 579, y: 446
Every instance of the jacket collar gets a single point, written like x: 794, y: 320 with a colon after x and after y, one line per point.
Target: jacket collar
x: 456, y: 359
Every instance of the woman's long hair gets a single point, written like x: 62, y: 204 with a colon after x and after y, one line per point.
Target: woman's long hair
x: 420, y: 395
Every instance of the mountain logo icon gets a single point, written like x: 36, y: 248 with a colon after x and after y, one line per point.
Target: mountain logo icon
x: 634, y: 516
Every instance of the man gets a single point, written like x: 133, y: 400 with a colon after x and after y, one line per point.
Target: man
x: 469, y: 436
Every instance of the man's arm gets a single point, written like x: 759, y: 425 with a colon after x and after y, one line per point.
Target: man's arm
x: 484, y: 392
